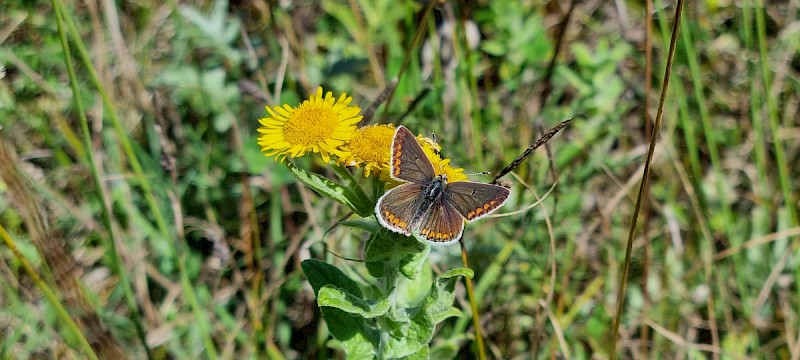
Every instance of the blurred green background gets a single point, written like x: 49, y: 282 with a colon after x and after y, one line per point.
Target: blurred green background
x: 209, y: 233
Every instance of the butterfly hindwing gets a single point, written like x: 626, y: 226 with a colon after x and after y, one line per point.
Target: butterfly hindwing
x: 408, y: 161
x: 442, y: 224
x: 396, y: 208
x: 475, y: 200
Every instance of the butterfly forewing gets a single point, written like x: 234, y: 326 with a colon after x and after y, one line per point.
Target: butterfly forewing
x: 443, y: 224
x: 408, y: 161
x: 396, y: 208
x: 475, y: 200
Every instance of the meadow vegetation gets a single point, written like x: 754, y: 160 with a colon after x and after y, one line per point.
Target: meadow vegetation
x: 140, y: 218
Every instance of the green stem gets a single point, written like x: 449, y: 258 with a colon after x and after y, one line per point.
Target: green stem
x: 772, y: 113
x: 473, y: 303
x: 789, y: 196
x: 716, y: 163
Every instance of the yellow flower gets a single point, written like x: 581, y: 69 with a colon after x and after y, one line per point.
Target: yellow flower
x: 371, y: 146
x: 320, y: 125
x: 442, y: 166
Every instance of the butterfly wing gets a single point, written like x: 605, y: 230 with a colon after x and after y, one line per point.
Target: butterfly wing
x: 442, y: 225
x: 396, y: 208
x: 475, y: 200
x: 408, y: 162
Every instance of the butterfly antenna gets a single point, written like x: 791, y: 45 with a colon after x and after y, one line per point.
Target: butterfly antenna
x: 370, y: 110
x: 525, y: 154
x: 479, y: 173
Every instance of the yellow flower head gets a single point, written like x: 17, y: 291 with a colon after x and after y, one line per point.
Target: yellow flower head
x: 371, y: 146
x: 320, y: 125
x: 440, y: 166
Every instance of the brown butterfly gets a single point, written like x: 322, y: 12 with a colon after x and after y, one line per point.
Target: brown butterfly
x: 426, y: 202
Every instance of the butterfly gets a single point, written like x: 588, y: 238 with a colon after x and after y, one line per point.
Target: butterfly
x: 426, y: 202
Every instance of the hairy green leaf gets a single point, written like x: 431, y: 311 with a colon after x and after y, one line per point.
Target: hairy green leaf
x: 327, y: 188
x: 388, y: 249
x: 335, y: 297
x: 358, y: 338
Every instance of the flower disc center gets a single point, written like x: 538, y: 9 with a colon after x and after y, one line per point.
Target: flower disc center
x: 310, y: 125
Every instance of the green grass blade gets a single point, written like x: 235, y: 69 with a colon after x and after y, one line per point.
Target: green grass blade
x: 61, y: 312
x: 202, y: 322
x: 105, y: 201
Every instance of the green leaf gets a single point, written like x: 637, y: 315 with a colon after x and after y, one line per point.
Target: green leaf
x: 411, y: 292
x: 439, y: 303
x: 365, y: 206
x: 447, y: 313
x: 218, y: 29
x: 357, y: 338
x: 392, y: 250
x: 437, y: 306
x: 320, y: 273
x: 465, y: 272
x: 222, y: 122
x: 445, y: 350
x: 493, y: 47
x: 422, y: 354
x: 327, y: 188
x: 366, y: 224
x: 335, y: 297
x: 254, y: 159
x: 414, y: 338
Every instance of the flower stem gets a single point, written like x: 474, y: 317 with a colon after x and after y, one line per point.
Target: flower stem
x: 473, y: 303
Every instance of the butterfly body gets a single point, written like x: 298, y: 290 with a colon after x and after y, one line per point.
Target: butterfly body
x: 426, y: 202
x: 433, y: 193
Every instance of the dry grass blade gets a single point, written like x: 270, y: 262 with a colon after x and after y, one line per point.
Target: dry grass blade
x: 51, y: 296
x: 643, y: 184
x: 53, y: 249
x: 648, y: 86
